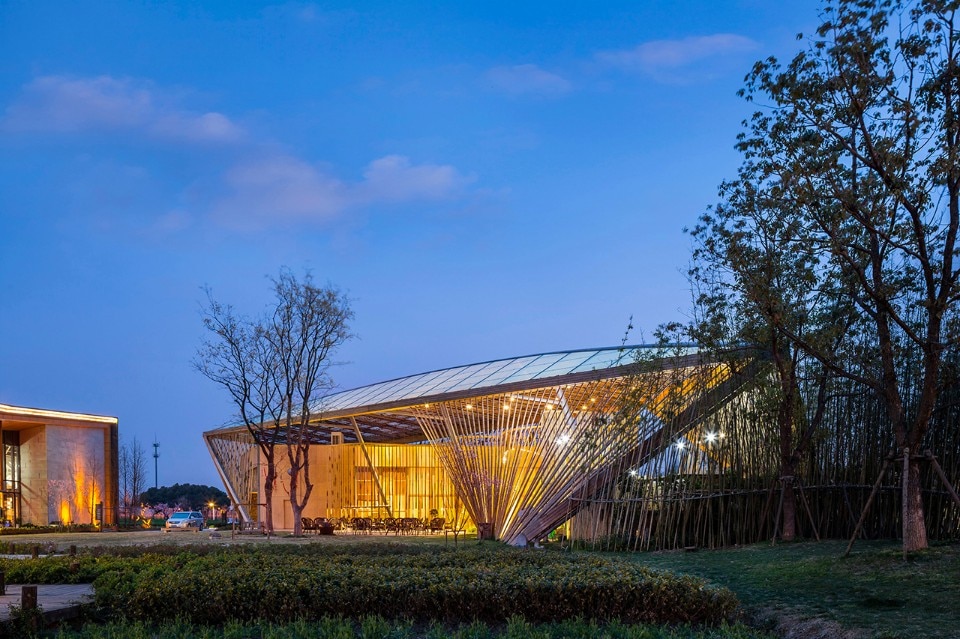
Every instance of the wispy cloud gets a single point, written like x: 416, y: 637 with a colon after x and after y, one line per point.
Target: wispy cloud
x: 63, y: 104
x: 285, y: 190
x: 394, y: 178
x: 254, y: 185
x: 660, y: 56
x: 279, y: 190
x: 526, y: 79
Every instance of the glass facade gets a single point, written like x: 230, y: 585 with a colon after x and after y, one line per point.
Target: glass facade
x: 10, y: 474
x: 487, y: 375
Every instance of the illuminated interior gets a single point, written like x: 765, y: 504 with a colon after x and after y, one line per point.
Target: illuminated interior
x: 511, y: 447
x: 10, y: 477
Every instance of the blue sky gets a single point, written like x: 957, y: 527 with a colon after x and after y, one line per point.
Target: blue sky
x: 484, y: 179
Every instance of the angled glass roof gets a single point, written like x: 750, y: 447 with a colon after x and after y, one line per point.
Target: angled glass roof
x: 488, y: 375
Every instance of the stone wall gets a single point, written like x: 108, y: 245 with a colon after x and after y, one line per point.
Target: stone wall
x: 75, y: 473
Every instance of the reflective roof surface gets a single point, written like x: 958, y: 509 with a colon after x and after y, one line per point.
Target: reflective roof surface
x: 485, y: 375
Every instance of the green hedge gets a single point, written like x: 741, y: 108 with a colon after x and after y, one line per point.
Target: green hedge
x: 483, y: 584
x: 375, y: 627
x: 39, y: 530
x: 208, y: 584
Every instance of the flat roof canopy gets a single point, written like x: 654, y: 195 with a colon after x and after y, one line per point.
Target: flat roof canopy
x: 14, y: 417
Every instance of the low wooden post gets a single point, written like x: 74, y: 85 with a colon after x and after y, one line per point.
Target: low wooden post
x: 3, y: 583
x: 35, y: 552
x: 28, y: 598
x: 73, y: 550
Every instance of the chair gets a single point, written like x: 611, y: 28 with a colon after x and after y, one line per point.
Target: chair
x: 362, y: 525
x: 307, y: 524
x: 323, y: 526
x: 436, y: 524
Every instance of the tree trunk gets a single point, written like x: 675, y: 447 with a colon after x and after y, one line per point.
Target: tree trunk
x: 268, y: 495
x: 789, y: 515
x: 914, y: 527
x: 295, y: 505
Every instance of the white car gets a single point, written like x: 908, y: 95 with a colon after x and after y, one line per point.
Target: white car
x: 184, y: 520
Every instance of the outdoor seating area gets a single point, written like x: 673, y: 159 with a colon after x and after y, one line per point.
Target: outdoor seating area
x: 376, y: 525
x: 318, y: 525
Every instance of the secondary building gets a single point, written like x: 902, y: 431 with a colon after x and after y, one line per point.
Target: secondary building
x: 57, y: 467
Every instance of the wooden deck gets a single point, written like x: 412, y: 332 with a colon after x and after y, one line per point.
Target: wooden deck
x: 60, y: 601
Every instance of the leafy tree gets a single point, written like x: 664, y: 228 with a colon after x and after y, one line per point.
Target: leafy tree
x: 860, y: 143
x: 187, y: 496
x: 756, y: 277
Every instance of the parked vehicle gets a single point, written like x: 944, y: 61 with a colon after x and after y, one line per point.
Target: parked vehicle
x: 184, y: 520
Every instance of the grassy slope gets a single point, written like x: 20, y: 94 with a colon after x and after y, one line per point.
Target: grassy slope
x: 873, y: 589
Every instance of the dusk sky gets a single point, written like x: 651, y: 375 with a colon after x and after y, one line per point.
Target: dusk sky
x: 484, y: 179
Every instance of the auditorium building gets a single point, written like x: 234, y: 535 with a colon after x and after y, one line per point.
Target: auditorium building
x: 514, y: 448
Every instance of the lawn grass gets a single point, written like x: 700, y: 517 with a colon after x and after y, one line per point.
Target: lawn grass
x: 873, y: 590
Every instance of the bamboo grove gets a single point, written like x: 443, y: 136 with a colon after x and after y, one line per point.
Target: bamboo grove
x: 717, y: 481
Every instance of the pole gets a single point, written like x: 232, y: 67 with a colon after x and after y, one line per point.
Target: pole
x: 863, y: 513
x: 156, y: 456
x: 943, y: 477
x: 373, y: 469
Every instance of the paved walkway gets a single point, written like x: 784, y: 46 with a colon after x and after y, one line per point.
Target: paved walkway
x: 56, y: 600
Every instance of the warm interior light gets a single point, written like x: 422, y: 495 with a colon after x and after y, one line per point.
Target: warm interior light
x: 469, y: 406
x: 563, y: 439
x: 506, y: 407
x: 711, y: 437
x: 633, y: 472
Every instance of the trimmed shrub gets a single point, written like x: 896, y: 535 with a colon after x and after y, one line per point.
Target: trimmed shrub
x: 485, y: 584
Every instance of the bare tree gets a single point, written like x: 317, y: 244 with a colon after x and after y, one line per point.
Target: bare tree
x: 240, y: 359
x: 139, y: 470
x: 132, y: 471
x: 275, y: 368
x: 123, y: 472
x: 308, y: 324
